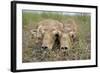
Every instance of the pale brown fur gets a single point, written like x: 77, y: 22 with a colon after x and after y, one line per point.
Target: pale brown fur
x: 48, y: 30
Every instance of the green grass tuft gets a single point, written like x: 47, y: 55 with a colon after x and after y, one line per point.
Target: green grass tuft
x: 30, y: 52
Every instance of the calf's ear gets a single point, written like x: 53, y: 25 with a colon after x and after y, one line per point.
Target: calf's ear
x: 34, y: 33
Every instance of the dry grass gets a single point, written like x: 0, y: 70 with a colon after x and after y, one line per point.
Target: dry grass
x: 31, y: 52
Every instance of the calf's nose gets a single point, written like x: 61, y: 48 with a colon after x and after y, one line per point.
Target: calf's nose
x: 57, y: 35
x: 64, y: 48
x: 44, y: 47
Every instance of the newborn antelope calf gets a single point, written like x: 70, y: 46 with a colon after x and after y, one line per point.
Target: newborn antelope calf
x: 50, y: 30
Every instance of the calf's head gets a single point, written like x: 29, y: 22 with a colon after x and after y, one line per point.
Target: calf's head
x: 65, y: 41
x: 50, y: 36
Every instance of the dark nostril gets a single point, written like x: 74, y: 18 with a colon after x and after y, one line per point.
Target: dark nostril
x: 66, y: 48
x: 62, y: 47
x: 57, y: 35
x: 44, y: 47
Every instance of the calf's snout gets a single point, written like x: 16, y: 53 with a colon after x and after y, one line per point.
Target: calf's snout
x: 44, y: 47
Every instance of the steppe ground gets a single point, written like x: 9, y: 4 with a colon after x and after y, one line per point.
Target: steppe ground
x: 32, y: 52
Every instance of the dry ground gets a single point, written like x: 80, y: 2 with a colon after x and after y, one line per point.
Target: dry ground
x: 31, y: 52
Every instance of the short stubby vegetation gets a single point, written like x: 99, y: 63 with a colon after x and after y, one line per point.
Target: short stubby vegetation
x: 32, y: 50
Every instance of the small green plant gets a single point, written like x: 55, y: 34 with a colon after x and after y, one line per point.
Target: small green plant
x: 30, y: 52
